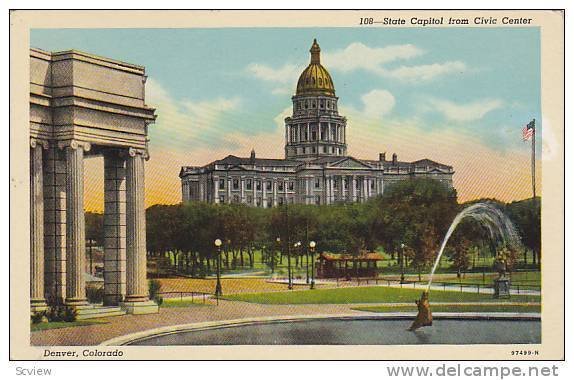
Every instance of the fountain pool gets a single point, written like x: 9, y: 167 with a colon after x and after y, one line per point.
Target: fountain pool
x: 354, y: 331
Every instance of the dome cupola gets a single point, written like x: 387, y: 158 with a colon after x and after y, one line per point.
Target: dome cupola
x: 315, y: 79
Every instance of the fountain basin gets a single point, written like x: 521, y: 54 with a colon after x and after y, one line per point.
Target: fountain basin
x: 388, y: 329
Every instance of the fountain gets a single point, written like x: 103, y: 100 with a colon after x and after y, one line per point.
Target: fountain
x: 500, y: 229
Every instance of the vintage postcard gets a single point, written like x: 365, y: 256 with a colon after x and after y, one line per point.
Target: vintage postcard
x: 383, y: 185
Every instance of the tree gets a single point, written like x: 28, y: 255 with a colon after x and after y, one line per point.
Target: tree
x: 526, y: 216
x: 95, y: 227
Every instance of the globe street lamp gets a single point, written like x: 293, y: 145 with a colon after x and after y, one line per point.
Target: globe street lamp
x: 218, y: 291
x: 312, y: 246
x: 402, y: 260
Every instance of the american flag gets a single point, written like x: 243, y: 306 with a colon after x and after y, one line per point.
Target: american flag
x: 528, y: 131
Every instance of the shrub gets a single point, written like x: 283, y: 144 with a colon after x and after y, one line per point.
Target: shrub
x: 37, y: 317
x: 61, y: 313
x: 154, y: 290
x: 69, y: 314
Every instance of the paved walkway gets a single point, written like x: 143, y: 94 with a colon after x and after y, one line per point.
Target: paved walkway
x: 170, y: 316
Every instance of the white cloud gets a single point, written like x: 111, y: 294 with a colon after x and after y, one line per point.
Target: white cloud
x: 375, y: 104
x: 464, y: 112
x: 378, y: 103
x: 180, y: 120
x: 285, y: 74
x: 360, y: 56
x: 425, y: 72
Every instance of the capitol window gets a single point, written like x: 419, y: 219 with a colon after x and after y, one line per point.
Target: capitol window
x: 258, y: 185
x: 249, y: 184
x: 235, y: 184
x: 280, y: 186
x: 221, y: 184
x: 268, y: 185
x: 317, y: 183
x: 291, y: 186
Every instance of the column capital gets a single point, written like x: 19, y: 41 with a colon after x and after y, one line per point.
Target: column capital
x: 75, y: 144
x: 132, y: 152
x: 34, y: 142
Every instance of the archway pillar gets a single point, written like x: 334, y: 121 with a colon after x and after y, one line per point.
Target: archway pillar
x: 75, y: 223
x: 37, y: 297
x: 137, y: 296
x: 114, y: 227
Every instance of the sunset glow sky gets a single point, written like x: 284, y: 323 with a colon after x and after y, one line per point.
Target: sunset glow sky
x: 456, y: 96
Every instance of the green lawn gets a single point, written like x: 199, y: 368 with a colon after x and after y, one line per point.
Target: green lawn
x: 366, y: 295
x: 456, y: 308
x: 176, y: 302
x: 59, y: 325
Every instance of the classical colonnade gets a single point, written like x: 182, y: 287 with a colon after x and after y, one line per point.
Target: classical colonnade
x: 331, y: 189
x: 57, y: 218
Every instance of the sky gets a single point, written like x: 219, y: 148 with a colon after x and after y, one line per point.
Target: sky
x: 459, y: 96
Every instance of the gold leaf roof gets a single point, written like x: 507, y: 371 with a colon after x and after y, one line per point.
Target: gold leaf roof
x: 315, y: 79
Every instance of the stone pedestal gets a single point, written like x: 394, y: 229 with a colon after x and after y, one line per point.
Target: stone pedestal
x: 145, y: 307
x: 502, y: 288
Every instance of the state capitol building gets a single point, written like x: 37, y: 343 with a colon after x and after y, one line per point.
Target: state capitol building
x: 316, y: 168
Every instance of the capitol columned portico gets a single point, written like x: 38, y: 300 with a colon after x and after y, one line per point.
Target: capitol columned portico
x: 316, y: 169
x: 82, y: 105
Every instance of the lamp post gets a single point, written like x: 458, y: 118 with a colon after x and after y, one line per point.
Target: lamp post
x: 312, y: 246
x: 296, y: 248
x: 402, y: 260
x: 278, y: 241
x: 218, y: 291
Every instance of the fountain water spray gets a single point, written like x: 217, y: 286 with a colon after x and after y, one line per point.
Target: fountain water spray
x: 500, y: 229
x: 498, y: 225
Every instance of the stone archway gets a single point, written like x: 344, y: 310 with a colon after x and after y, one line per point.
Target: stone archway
x: 81, y: 104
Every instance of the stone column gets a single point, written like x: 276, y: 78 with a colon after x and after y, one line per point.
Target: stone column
x: 115, y: 227
x: 354, y: 188
x: 201, y: 188
x: 55, y: 223
x: 184, y: 190
x: 364, y: 189
x: 332, y: 189
x: 37, y: 297
x: 215, y: 189
x: 242, y: 184
x: 274, y: 192
x: 254, y: 184
x: 264, y: 192
x: 229, y: 183
x: 75, y: 224
x: 136, y: 289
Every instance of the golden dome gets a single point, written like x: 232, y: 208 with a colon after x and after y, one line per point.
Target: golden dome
x: 315, y: 79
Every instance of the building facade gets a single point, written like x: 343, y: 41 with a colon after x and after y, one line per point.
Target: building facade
x: 316, y: 168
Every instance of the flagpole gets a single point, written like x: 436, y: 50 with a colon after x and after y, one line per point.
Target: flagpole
x: 533, y: 159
